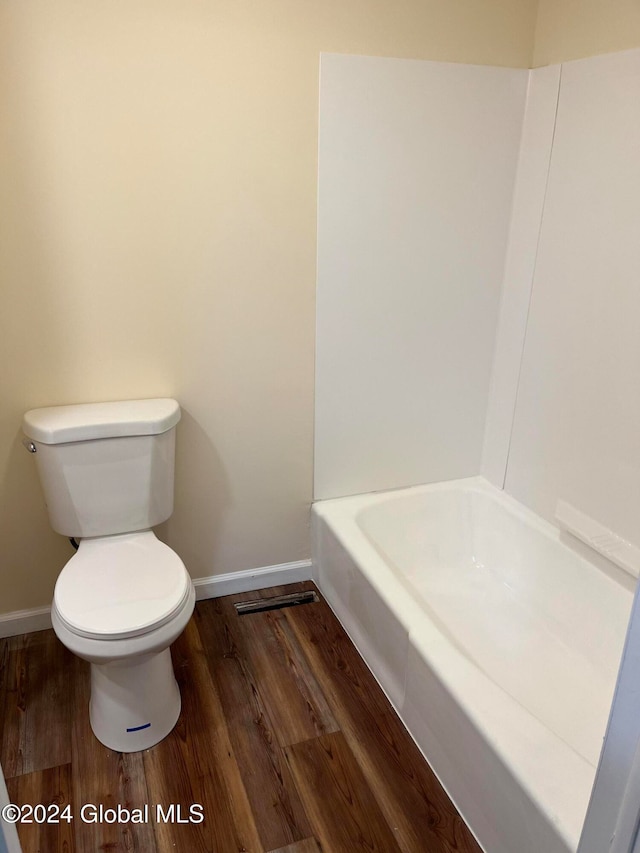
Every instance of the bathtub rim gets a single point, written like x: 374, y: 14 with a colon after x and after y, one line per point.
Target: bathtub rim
x: 325, y: 508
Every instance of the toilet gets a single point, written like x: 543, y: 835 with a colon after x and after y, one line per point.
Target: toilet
x: 107, y: 474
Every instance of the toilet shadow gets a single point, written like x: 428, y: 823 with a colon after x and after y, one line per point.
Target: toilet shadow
x: 34, y: 554
x: 202, y: 499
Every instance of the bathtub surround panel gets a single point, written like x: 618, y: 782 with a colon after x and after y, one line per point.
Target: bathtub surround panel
x: 575, y: 435
x: 506, y: 687
x: 559, y: 420
x: 416, y: 168
x: 522, y: 246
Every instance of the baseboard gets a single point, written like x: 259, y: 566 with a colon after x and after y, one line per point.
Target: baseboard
x: 251, y: 579
x: 214, y: 586
x: 25, y: 621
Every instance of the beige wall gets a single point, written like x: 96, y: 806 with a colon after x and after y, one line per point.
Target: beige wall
x: 158, y: 229
x: 571, y: 29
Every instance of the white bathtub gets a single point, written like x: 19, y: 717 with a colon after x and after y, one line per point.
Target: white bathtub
x: 497, y: 643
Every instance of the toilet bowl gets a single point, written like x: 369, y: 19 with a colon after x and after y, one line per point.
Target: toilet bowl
x: 119, y: 603
x: 107, y: 472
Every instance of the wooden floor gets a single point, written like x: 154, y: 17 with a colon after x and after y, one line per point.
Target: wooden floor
x: 285, y: 739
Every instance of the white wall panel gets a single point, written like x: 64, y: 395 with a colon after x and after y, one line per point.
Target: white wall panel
x: 416, y: 170
x: 577, y: 425
x: 526, y: 217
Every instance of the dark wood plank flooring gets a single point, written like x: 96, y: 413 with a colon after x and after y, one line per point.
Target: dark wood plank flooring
x: 285, y: 739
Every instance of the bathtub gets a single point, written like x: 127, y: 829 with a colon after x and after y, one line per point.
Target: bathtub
x: 496, y: 640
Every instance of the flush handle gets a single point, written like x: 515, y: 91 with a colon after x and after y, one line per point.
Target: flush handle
x: 29, y: 445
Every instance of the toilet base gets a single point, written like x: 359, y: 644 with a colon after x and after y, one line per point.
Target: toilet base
x: 135, y: 702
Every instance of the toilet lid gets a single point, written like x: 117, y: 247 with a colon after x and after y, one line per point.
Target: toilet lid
x: 121, y: 586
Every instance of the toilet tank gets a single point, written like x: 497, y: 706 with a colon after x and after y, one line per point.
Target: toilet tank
x: 105, y: 468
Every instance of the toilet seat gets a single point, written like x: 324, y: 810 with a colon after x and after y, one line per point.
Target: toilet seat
x: 116, y: 587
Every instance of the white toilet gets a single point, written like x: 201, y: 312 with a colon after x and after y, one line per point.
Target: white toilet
x: 123, y: 598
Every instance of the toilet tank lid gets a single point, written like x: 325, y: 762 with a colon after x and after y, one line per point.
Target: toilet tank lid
x: 87, y: 421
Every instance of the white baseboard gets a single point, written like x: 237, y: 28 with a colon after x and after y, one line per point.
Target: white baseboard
x: 214, y: 586
x: 25, y: 621
x: 251, y: 579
